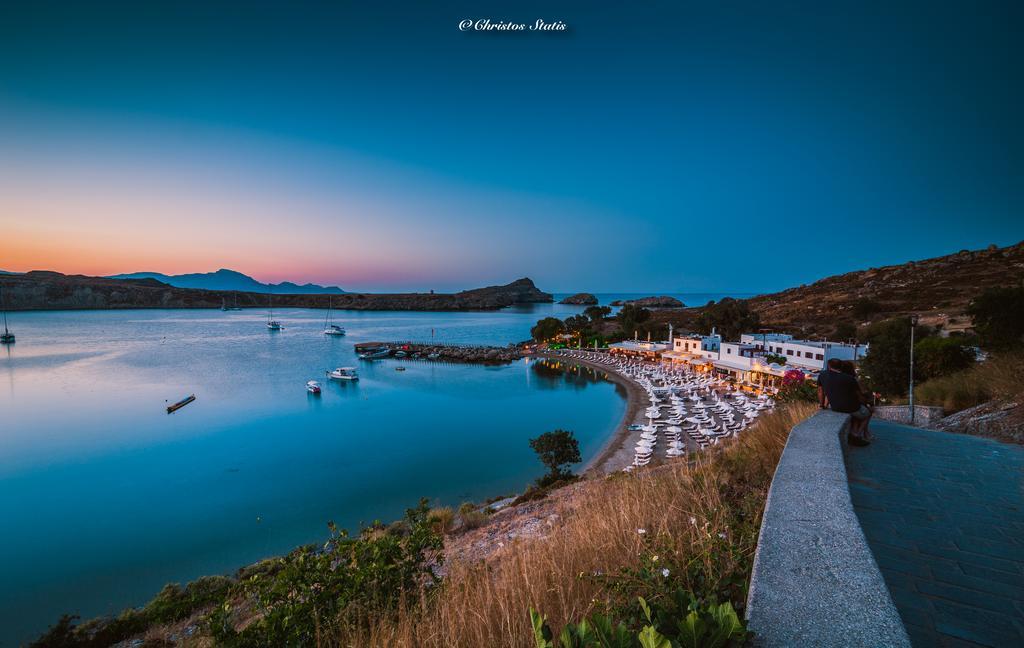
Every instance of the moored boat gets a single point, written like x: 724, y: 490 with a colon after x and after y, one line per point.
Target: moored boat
x: 374, y: 354
x: 313, y: 387
x: 272, y: 323
x: 6, y: 337
x: 330, y: 328
x: 182, y: 403
x: 344, y: 373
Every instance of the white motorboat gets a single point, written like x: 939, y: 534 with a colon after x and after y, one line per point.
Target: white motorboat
x: 313, y: 387
x: 344, y: 373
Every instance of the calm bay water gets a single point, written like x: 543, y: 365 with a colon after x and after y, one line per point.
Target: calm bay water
x: 104, y: 497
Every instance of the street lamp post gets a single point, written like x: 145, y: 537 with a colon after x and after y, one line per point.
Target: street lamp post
x: 913, y: 323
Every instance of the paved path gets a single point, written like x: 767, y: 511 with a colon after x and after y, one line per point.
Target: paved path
x: 944, y: 516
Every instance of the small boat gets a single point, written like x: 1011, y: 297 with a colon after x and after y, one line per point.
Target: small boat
x: 272, y: 323
x: 399, y: 368
x: 182, y: 403
x: 400, y: 354
x: 344, y: 373
x: 224, y: 305
x: 6, y: 337
x: 313, y: 387
x: 330, y: 328
x: 374, y: 354
x: 433, y: 356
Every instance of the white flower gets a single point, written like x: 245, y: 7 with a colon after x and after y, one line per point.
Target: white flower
x: 693, y: 520
x: 642, y: 531
x: 665, y: 572
x: 722, y: 535
x: 655, y: 558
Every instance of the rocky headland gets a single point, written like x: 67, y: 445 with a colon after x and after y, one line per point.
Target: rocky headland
x: 43, y: 290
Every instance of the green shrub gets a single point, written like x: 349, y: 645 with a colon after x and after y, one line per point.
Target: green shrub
x: 470, y: 516
x: 346, y: 583
x: 685, y: 621
x: 998, y: 317
x: 442, y: 519
x: 938, y: 356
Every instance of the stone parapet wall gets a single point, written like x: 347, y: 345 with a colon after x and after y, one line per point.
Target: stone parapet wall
x: 924, y: 415
x: 815, y: 581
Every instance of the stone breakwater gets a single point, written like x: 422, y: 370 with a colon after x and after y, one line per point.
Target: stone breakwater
x: 445, y: 352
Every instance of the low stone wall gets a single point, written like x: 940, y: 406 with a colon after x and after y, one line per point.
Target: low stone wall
x: 924, y: 415
x: 815, y: 581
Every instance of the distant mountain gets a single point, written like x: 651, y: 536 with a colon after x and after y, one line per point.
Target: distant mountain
x: 230, y: 280
x: 7, y: 272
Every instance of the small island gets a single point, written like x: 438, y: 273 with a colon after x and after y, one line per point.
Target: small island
x: 580, y: 299
x: 664, y: 301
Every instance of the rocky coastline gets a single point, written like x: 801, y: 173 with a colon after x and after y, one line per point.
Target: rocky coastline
x: 663, y: 301
x: 445, y: 352
x: 44, y: 290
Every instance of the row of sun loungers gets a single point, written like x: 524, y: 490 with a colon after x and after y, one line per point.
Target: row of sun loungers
x: 703, y: 408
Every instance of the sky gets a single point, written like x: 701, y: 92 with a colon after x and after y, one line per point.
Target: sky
x: 676, y: 146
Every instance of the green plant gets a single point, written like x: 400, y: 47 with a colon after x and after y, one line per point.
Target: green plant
x: 687, y: 623
x: 556, y: 449
x: 471, y: 517
x: 442, y: 519
x: 547, y: 328
x: 775, y: 358
x: 998, y: 317
x: 347, y: 583
x: 730, y: 317
x: 938, y: 356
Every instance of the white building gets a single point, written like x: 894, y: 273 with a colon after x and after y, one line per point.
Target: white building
x: 804, y: 354
x: 639, y: 348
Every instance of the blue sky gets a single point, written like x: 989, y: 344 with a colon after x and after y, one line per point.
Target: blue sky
x: 655, y: 146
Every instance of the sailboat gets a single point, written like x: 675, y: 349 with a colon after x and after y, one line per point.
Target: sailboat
x: 224, y: 305
x: 6, y: 337
x: 272, y: 323
x: 330, y: 328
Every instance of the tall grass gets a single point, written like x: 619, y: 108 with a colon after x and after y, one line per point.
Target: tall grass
x: 998, y: 377
x: 702, y: 517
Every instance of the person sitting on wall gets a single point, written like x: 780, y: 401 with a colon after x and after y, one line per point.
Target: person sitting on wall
x: 840, y: 392
x: 866, y: 400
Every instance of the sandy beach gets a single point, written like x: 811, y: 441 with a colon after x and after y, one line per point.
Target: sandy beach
x: 617, y: 452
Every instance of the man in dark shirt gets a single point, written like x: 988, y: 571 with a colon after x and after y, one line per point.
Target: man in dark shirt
x: 841, y: 392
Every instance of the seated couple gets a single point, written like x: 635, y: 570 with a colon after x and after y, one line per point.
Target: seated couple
x: 838, y: 388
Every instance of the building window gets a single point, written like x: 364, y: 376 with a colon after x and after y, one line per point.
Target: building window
x: 728, y: 350
x: 789, y: 352
x: 819, y: 357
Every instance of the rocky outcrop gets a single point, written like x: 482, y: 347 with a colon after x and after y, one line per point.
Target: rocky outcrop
x: 663, y: 301
x: 447, y: 353
x: 42, y: 290
x: 580, y: 299
x: 997, y: 419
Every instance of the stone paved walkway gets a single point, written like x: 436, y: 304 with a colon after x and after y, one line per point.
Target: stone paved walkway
x: 944, y: 516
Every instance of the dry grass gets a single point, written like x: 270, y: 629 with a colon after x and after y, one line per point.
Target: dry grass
x: 683, y: 510
x: 996, y: 378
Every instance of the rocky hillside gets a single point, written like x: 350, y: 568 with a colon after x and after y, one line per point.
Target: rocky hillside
x: 54, y: 291
x: 937, y: 289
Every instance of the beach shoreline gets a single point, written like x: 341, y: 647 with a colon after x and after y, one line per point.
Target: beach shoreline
x: 617, y: 452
